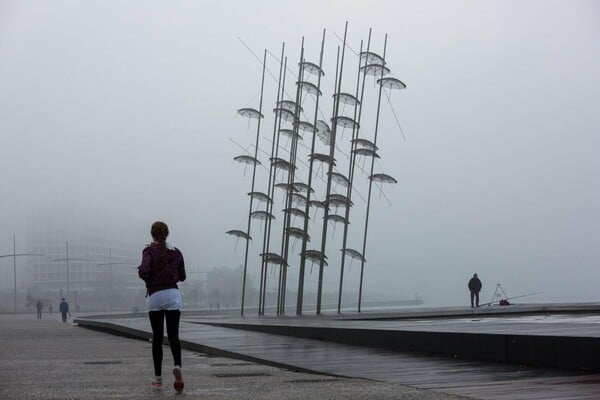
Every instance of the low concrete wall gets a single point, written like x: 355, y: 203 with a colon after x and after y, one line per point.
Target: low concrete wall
x: 577, y: 353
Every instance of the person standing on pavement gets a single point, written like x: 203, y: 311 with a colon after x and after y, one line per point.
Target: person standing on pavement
x: 162, y: 267
x: 63, y: 308
x: 474, y: 288
x: 39, y: 306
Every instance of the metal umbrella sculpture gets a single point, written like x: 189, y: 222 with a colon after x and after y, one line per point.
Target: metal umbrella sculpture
x: 313, y: 164
x: 238, y: 234
x: 381, y: 179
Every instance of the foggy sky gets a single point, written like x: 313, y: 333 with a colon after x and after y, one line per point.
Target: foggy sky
x: 126, y: 109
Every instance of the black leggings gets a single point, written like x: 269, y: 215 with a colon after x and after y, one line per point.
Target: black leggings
x: 156, y: 320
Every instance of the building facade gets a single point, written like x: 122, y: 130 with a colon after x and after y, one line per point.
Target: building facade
x: 93, y: 265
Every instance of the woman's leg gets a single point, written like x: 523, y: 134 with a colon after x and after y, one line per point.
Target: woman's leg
x: 173, y: 334
x: 156, y: 321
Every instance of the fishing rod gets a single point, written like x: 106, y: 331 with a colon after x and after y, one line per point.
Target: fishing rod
x: 509, y: 298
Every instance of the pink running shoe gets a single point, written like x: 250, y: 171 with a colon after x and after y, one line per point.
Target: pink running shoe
x: 157, y: 382
x: 178, y: 384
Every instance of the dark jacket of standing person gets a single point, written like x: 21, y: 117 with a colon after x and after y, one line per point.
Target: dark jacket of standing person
x: 474, y: 288
x: 475, y: 284
x: 39, y: 306
x: 161, y: 267
x: 64, y: 307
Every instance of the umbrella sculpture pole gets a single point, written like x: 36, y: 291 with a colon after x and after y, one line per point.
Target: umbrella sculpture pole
x: 278, y: 163
x: 309, y: 189
x: 272, y: 170
x: 271, y: 181
x: 279, y: 105
x: 300, y: 301
x: 262, y: 85
x: 291, y: 174
x: 330, y: 170
x: 309, y: 184
x: 355, y: 132
x: 362, y: 263
x: 272, y: 174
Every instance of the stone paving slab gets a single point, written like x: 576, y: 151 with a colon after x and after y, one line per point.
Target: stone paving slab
x: 48, y: 360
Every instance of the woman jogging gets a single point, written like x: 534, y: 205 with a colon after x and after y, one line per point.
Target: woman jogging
x: 162, y: 267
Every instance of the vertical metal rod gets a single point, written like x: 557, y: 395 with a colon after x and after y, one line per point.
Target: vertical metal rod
x: 285, y: 239
x: 262, y: 85
x: 330, y: 170
x: 281, y: 289
x: 349, y: 188
x: 353, y: 147
x: 276, y: 144
x: 309, y: 184
x: 337, y: 67
x: 291, y: 173
x: 362, y: 264
x: 278, y: 136
x: 272, y: 171
x: 284, y: 290
x: 15, y: 270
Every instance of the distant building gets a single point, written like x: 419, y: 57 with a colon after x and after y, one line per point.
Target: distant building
x: 93, y: 283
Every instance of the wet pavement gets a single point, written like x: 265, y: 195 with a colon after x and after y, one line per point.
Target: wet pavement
x: 476, y: 379
x: 46, y: 359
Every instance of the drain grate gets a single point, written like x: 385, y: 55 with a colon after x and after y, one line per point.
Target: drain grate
x: 230, y: 364
x: 241, y: 375
x: 311, y: 380
x: 102, y: 362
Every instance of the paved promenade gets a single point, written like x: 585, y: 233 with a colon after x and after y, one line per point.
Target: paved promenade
x: 46, y: 359
x: 475, y: 379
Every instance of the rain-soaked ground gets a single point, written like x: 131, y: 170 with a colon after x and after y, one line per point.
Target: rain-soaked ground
x: 477, y: 379
x: 48, y: 360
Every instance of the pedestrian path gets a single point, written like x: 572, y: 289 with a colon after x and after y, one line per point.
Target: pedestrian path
x: 479, y: 380
x: 49, y: 360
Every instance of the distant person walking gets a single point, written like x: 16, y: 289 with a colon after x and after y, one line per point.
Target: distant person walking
x: 474, y: 288
x: 63, y: 308
x: 39, y: 306
x: 161, y: 268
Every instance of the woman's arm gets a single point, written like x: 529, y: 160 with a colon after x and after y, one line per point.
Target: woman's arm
x: 144, y: 268
x: 181, y: 270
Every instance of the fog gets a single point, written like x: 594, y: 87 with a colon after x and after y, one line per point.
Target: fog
x: 125, y: 111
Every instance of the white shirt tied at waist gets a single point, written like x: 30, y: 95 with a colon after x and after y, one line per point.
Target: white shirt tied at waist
x: 167, y: 299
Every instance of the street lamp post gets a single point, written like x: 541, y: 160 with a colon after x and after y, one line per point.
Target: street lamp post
x: 14, y: 255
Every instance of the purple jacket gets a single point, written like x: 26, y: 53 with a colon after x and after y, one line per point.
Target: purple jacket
x: 161, y: 268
